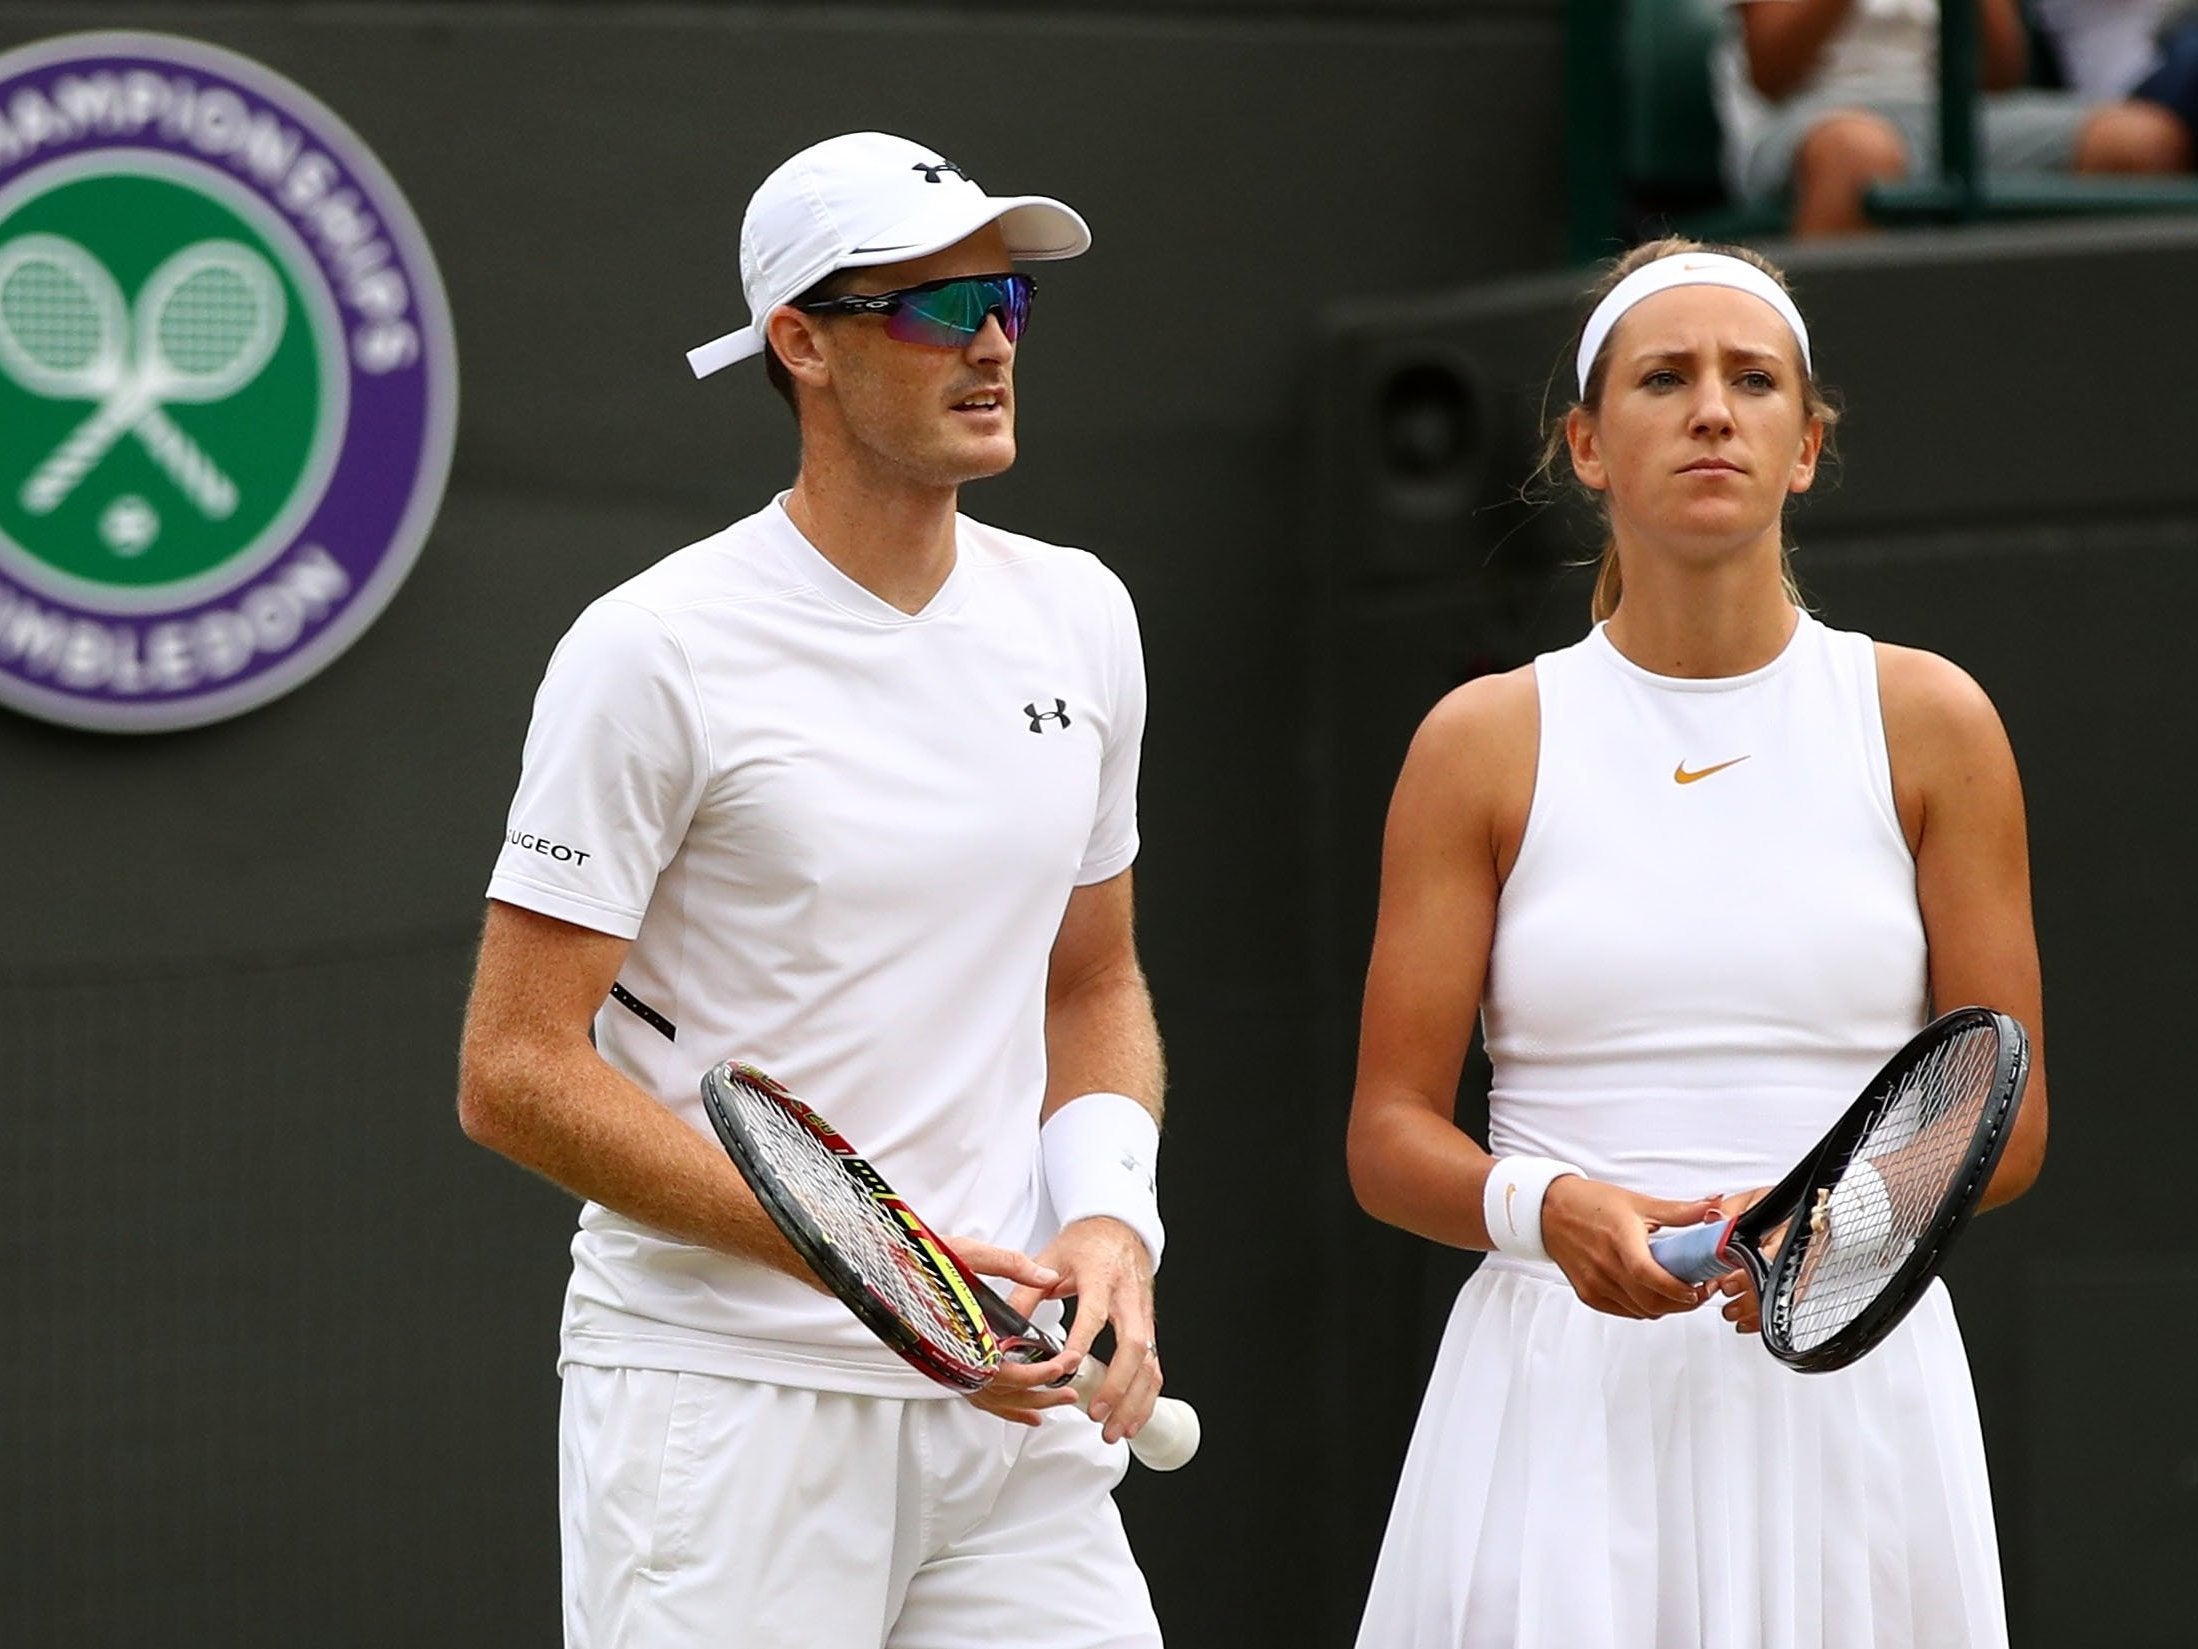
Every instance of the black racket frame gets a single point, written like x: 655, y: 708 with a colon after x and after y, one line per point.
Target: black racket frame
x: 1822, y: 1167
x: 1019, y: 1340
x: 817, y: 1252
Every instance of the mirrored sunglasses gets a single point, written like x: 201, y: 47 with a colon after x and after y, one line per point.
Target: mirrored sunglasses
x: 940, y: 314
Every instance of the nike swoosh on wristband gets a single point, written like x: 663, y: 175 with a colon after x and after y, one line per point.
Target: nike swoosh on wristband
x: 1680, y: 775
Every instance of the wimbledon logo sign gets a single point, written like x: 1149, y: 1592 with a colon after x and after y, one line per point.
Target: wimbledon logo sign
x: 228, y: 386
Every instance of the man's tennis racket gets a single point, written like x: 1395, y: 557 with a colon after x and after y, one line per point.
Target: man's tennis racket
x: 868, y: 1246
x: 1842, y: 1248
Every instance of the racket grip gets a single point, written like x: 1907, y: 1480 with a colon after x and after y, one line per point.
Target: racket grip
x: 1697, y: 1254
x: 1169, y: 1436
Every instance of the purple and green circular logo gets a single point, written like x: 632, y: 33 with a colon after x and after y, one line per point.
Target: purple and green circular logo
x: 228, y: 384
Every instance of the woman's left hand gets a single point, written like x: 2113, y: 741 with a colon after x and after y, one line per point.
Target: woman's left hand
x: 1742, y: 1309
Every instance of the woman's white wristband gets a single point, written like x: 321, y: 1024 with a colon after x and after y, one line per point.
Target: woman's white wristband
x: 1511, y: 1202
x: 1102, y: 1154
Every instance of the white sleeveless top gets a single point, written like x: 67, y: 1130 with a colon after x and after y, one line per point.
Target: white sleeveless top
x: 1710, y: 940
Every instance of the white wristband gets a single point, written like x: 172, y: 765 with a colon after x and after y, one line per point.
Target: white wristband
x: 1101, y: 1154
x: 1511, y: 1202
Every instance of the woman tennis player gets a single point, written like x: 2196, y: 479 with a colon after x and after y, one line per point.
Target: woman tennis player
x: 1699, y: 875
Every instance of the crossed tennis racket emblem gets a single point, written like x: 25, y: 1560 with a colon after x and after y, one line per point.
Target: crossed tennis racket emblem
x: 204, y: 325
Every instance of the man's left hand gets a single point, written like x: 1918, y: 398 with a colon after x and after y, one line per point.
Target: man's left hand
x: 1105, y: 1265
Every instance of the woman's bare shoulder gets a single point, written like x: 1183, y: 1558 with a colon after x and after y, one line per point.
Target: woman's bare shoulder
x: 1487, y: 711
x: 1927, y: 698
x: 1475, y: 753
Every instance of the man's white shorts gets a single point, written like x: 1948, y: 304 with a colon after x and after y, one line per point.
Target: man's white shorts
x: 701, y: 1511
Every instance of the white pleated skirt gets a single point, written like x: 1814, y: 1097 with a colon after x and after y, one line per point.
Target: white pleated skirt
x: 1582, y: 1481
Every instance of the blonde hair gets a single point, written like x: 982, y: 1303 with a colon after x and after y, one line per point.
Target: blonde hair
x: 1609, y: 585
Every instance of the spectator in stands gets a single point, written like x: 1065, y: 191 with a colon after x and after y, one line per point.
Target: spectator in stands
x: 1824, y: 98
x: 2144, y: 49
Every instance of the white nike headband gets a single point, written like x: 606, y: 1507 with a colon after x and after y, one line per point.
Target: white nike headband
x: 1686, y: 269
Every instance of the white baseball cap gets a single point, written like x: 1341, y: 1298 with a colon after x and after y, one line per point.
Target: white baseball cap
x: 868, y: 198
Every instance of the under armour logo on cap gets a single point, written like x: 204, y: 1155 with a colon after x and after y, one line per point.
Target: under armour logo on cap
x: 1039, y: 718
x: 863, y: 199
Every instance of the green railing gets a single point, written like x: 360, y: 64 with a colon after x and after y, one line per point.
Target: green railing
x: 1963, y: 192
x: 1610, y: 64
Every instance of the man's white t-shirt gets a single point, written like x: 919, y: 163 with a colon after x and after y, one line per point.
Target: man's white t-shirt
x: 841, y: 838
x: 1882, y: 52
x: 2106, y: 46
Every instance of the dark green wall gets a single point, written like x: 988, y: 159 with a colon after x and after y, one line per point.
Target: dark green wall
x: 280, y: 1342
x: 2016, y: 490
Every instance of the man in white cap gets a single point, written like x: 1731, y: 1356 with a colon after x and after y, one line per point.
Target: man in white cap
x: 848, y: 791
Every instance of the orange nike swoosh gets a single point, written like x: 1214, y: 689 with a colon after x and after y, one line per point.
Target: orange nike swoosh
x: 1509, y: 1192
x: 1680, y: 775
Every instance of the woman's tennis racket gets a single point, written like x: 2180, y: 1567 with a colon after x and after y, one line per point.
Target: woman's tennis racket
x: 1842, y: 1248
x: 868, y: 1246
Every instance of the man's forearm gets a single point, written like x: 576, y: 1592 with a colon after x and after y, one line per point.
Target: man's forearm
x: 1101, y: 1037
x: 564, y: 1113
x: 2003, y: 45
x: 1785, y: 39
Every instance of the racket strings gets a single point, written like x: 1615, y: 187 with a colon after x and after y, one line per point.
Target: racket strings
x: 209, y: 322
x: 865, y: 1233
x: 52, y: 319
x: 1864, y: 1226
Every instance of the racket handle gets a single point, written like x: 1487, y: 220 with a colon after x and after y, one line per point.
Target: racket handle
x: 53, y: 481
x: 1167, y: 1439
x: 198, y: 476
x: 1697, y: 1254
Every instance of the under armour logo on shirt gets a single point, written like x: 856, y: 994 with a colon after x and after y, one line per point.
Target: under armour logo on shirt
x: 1039, y: 718
x: 932, y: 168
